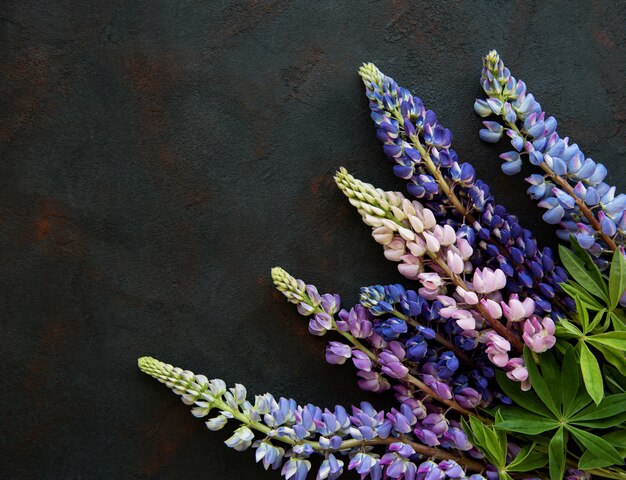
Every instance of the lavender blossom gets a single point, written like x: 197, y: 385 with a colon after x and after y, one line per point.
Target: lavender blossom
x: 571, y: 187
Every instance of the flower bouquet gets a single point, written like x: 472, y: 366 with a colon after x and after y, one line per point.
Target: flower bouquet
x: 506, y: 361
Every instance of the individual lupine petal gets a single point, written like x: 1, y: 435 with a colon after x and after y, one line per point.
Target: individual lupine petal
x: 330, y: 469
x: 296, y: 469
x: 452, y: 469
x: 361, y: 360
x: 363, y: 463
x: 492, y: 133
x: 371, y: 381
x: 241, y: 439
x: 607, y: 225
x: 539, y: 187
x: 337, y: 353
x: 493, y: 309
x: 454, y: 262
x: 515, y: 310
x: 517, y: 371
x: 539, y: 333
x: 616, y: 206
x: 497, y: 349
x: 592, y: 197
x: 320, y: 323
x: 564, y: 199
x: 555, y: 211
x: 410, y: 267
x: 216, y: 423
x: 468, y: 297
x: 482, y: 108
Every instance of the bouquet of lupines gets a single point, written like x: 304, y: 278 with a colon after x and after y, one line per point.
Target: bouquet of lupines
x: 505, y: 361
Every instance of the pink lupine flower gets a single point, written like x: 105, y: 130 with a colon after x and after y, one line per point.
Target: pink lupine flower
x: 518, y: 372
x: 493, y: 309
x: 395, y: 249
x: 488, y: 280
x: 432, y: 283
x: 515, y: 310
x: 468, y: 297
x: 454, y: 262
x: 497, y: 349
x: 411, y: 266
x: 539, y: 333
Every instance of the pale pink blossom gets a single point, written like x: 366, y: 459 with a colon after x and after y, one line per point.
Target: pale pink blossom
x: 468, y: 297
x: 539, y: 333
x: 515, y: 310
x: 488, y: 280
x: 493, y: 309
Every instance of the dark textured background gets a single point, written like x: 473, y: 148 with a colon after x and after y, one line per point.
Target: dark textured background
x: 157, y: 158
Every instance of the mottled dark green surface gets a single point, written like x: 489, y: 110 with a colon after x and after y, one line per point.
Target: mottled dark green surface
x: 159, y: 157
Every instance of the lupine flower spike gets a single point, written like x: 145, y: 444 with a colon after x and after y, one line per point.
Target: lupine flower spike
x: 570, y: 187
x: 420, y: 148
x: 373, y: 443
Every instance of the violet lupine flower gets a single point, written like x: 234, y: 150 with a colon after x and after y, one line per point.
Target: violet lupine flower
x: 307, y: 430
x: 407, y: 129
x: 571, y: 186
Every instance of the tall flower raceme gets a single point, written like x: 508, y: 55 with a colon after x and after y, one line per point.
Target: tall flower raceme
x: 395, y: 351
x: 410, y: 235
x: 375, y: 444
x: 485, y: 313
x: 570, y: 186
x: 420, y: 148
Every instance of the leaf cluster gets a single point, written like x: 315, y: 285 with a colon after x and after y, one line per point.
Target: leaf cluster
x: 559, y: 414
x: 599, y: 326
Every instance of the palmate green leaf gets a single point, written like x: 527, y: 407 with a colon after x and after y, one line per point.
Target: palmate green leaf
x: 566, y: 329
x: 614, y: 357
x: 527, y: 400
x: 619, y: 322
x: 590, y: 369
x: 556, y: 455
x: 488, y: 440
x: 598, y: 447
x: 617, y: 278
x: 570, y: 380
x: 539, y: 384
x: 588, y: 277
x: 583, y: 314
x: 615, y: 380
x: 611, y: 405
x: 617, y: 439
x: 602, y: 423
x: 528, y: 459
x: 551, y: 373
x: 597, y: 319
x: 572, y: 289
x: 615, y: 340
x: 519, y: 420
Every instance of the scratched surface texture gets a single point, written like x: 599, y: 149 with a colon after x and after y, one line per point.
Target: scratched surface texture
x: 157, y: 158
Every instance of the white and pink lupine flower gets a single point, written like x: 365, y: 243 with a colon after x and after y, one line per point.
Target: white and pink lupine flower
x: 539, y: 333
x: 517, y: 371
x: 432, y: 284
x: 488, y: 280
x: 468, y: 297
x: 516, y: 310
x: 498, y: 348
x: 493, y: 309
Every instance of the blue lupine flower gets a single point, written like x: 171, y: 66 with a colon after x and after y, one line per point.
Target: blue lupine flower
x: 533, y: 133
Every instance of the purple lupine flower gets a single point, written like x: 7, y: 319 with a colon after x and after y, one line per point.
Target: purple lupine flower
x: 337, y: 353
x: 358, y: 321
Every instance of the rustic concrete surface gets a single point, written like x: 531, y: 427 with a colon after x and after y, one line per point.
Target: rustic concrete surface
x: 159, y: 157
